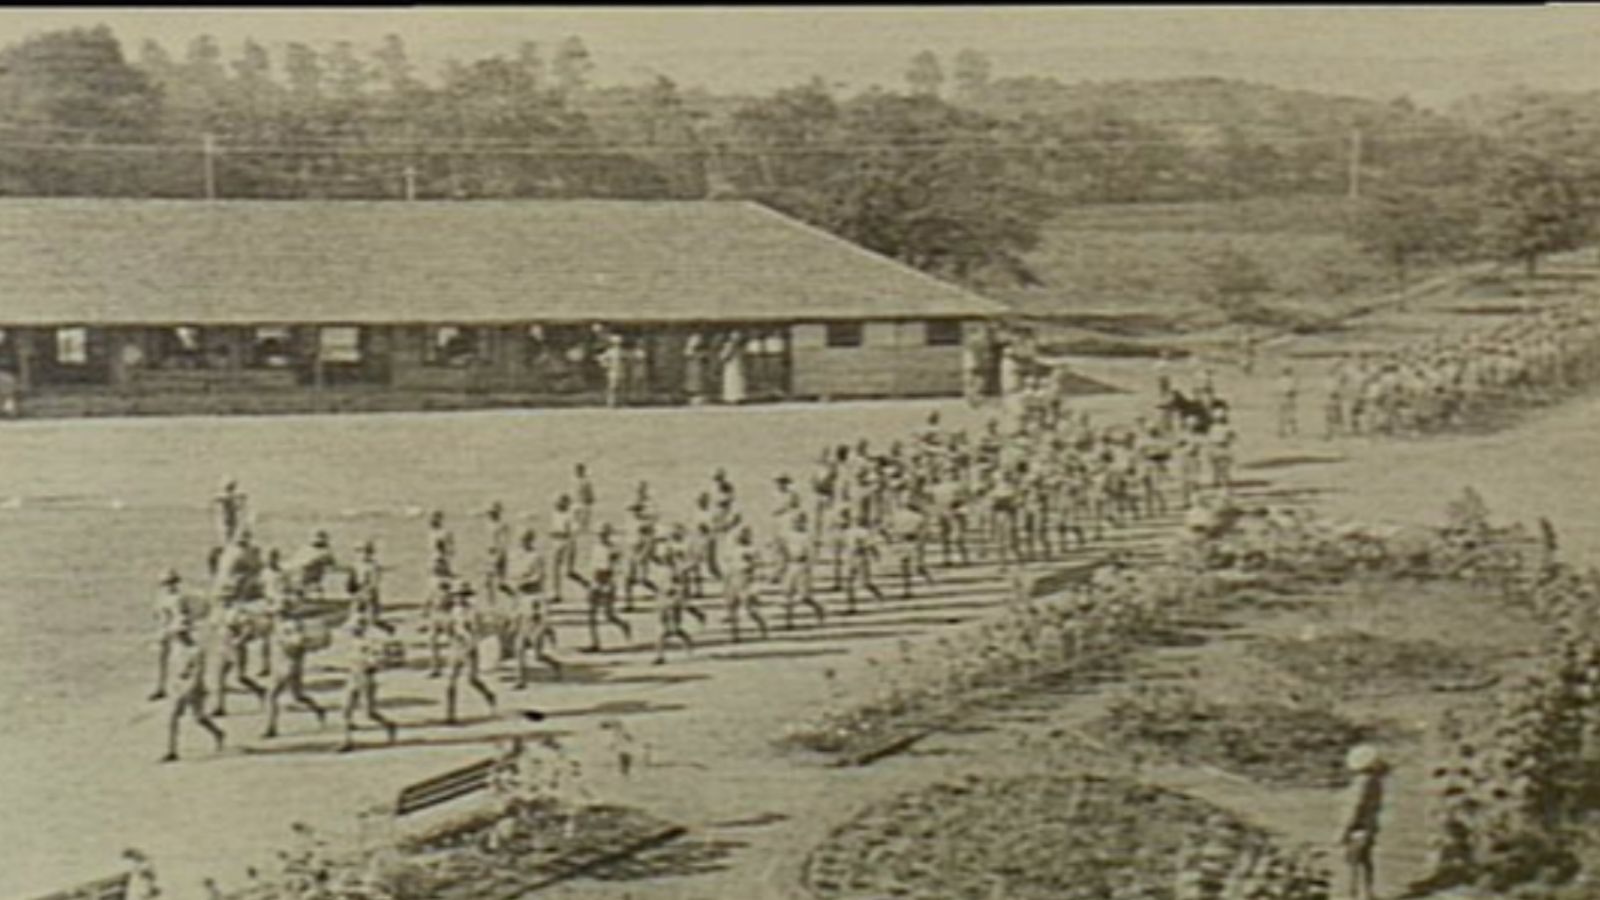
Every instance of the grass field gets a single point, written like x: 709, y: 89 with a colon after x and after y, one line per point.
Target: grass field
x: 1151, y: 259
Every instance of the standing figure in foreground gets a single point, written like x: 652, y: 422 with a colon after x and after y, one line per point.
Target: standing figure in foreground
x: 1359, y: 829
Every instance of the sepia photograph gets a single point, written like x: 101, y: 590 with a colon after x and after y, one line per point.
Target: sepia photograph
x: 800, y: 453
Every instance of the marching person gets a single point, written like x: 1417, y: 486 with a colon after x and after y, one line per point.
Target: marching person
x: 290, y: 645
x: 1288, y: 403
x: 904, y: 532
x: 236, y: 628
x: 189, y: 690
x: 743, y: 584
x: 239, y: 565
x: 797, y: 579
x: 366, y: 586
x: 677, y: 555
x: 230, y: 503
x: 640, y: 550
x: 535, y: 630
x: 583, y: 494
x: 171, y: 614
x: 466, y: 636
x: 365, y: 661
x: 1220, y: 439
x: 442, y: 575
x: 564, y: 547
x: 499, y: 542
x: 603, y: 560
x: 859, y: 548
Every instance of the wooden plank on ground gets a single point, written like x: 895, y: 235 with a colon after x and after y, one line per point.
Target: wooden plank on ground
x: 444, y: 788
x: 112, y: 887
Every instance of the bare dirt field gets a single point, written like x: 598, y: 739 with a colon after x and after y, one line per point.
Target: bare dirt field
x: 94, y: 510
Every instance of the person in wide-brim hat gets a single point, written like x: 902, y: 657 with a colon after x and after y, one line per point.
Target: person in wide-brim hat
x: 1359, y: 834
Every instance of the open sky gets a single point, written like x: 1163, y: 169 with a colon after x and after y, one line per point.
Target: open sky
x: 1426, y: 51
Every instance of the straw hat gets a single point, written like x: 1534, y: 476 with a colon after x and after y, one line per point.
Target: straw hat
x: 1364, y: 758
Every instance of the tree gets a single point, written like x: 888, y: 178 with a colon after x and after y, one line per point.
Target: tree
x: 572, y: 66
x: 155, y: 61
x: 1531, y: 208
x: 1401, y: 225
x: 781, y: 128
x: 76, y: 79
x: 932, y: 192
x: 74, y: 87
x: 304, y: 73
x: 531, y: 59
x: 394, y: 65
x: 971, y: 74
x: 1396, y: 225
x: 1234, y: 283
x: 348, y: 76
x: 924, y: 76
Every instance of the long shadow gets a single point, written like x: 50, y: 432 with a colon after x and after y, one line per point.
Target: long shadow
x: 760, y: 820
x: 369, y: 741
x: 778, y: 654
x: 616, y: 708
x: 591, y: 674
x: 1282, y: 462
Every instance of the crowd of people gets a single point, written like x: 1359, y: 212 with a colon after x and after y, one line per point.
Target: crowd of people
x: 1015, y: 491
x: 1442, y: 382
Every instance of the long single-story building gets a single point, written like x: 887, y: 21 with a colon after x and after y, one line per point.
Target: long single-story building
x: 130, y: 306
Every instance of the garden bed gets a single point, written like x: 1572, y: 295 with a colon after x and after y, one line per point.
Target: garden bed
x: 1359, y: 665
x: 1264, y: 741
x: 484, y: 855
x: 1037, y: 836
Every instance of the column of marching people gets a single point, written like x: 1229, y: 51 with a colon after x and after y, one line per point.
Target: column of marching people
x: 817, y: 546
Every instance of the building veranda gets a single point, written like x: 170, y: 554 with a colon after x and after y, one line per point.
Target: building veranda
x: 130, y: 306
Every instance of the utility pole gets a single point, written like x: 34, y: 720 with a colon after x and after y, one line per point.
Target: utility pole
x: 1355, y: 164
x: 411, y: 182
x: 209, y: 148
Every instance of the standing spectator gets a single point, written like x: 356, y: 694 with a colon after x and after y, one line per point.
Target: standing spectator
x: 732, y: 359
x: 694, y: 368
x: 1359, y: 829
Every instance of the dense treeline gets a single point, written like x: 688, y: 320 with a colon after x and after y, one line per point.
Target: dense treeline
x: 955, y: 178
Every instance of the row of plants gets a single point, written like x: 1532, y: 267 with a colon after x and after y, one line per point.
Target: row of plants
x: 1228, y: 554
x: 1516, y: 793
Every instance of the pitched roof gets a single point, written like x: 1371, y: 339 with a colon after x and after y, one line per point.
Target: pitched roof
x: 69, y: 261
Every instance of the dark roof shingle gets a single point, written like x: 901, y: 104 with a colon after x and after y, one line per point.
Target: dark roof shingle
x: 68, y: 261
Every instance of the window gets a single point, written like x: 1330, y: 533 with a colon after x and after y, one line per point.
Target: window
x: 339, y: 344
x: 188, y: 338
x: 72, y: 346
x: 943, y: 333
x: 844, y: 334
x: 451, y: 345
x: 270, y: 346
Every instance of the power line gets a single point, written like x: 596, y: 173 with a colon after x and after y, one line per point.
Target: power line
x: 709, y: 147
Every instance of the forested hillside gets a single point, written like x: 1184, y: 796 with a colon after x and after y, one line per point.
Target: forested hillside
x: 958, y: 173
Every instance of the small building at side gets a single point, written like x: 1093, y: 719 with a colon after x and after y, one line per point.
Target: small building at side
x: 156, y: 306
